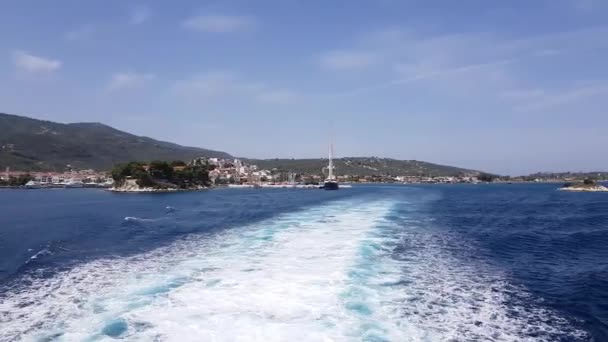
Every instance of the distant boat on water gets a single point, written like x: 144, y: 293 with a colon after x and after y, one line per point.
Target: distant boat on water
x: 73, y: 183
x: 32, y: 185
x: 330, y: 183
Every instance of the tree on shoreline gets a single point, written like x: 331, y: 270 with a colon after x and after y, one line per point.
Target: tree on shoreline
x: 20, y: 180
x: 486, y: 177
x: 160, y: 174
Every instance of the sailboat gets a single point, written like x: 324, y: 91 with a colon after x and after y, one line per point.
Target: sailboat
x: 330, y: 183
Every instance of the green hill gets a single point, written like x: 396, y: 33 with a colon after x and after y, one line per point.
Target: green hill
x: 364, y: 166
x: 31, y: 145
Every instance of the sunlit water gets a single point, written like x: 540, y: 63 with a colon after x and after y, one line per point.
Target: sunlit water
x: 443, y: 263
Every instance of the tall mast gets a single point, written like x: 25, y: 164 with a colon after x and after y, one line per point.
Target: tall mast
x: 330, y: 174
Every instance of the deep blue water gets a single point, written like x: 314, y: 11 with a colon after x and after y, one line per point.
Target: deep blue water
x: 373, y: 263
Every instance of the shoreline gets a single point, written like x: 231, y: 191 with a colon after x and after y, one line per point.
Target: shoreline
x: 152, y: 190
x: 576, y: 189
x: 279, y: 186
x: 23, y: 187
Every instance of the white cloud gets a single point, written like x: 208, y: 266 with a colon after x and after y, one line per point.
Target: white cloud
x: 416, y: 70
x: 222, y: 85
x: 423, y: 72
x: 35, y: 64
x: 140, y: 14
x: 277, y: 96
x: 79, y: 33
x: 547, y: 52
x: 340, y: 60
x: 457, y: 62
x: 219, y: 23
x: 543, y: 100
x: 212, y: 85
x: 522, y: 94
x: 128, y: 80
x: 585, y: 5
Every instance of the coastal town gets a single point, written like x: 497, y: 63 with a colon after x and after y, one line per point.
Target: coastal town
x: 235, y: 172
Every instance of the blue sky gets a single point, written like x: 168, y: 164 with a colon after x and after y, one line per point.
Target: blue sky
x: 505, y: 86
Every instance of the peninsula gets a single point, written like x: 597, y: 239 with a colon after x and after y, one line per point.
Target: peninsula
x: 160, y: 176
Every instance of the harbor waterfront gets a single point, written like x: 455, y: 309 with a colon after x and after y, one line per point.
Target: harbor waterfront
x: 519, y: 262
x: 237, y: 173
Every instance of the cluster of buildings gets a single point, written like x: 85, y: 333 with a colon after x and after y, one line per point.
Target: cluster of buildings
x: 438, y: 180
x: 408, y: 179
x: 82, y: 178
x: 234, y: 171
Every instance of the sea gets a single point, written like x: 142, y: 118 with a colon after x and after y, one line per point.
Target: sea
x: 487, y: 262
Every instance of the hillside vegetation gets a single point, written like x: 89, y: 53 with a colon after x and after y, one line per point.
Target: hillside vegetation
x: 162, y: 175
x: 28, y: 144
x: 364, y: 166
x: 31, y: 145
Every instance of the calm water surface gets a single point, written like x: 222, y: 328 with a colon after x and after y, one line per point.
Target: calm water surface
x: 371, y: 263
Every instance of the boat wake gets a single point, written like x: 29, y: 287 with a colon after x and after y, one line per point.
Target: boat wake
x: 349, y: 270
x: 413, y: 282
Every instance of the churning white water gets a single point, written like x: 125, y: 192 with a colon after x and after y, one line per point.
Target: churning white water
x: 326, y: 273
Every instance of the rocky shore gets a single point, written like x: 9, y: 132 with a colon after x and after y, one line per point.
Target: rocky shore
x: 131, y: 186
x: 587, y: 186
x: 598, y: 188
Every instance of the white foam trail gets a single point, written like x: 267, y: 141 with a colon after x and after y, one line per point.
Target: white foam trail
x: 40, y: 253
x: 278, y: 280
x: 328, y: 273
x: 423, y: 292
x: 139, y: 219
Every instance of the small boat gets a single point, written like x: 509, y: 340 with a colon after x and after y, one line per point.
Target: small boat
x: 32, y: 185
x: 73, y: 183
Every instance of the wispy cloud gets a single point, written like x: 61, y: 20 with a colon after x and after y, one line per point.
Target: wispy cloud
x: 540, y: 100
x: 140, y: 14
x: 484, y: 61
x: 522, y: 94
x: 277, y: 96
x: 547, y: 52
x: 128, y: 80
x: 424, y: 72
x: 35, y: 64
x: 222, y: 85
x: 213, y: 85
x: 219, y: 23
x: 341, y: 60
x: 585, y: 5
x: 80, y: 33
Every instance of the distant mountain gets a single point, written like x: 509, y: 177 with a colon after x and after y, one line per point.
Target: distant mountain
x: 30, y: 144
x: 364, y: 166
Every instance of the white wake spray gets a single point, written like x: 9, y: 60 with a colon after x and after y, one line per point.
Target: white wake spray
x: 351, y: 270
x: 280, y: 279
